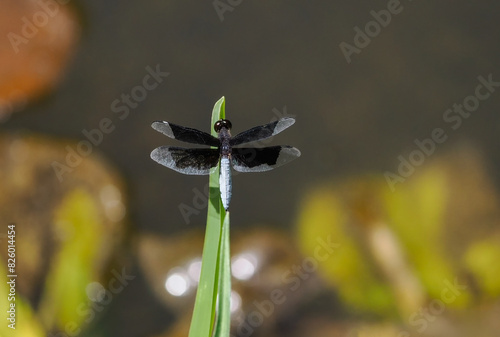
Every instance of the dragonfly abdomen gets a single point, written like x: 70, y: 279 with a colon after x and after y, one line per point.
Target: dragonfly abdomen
x: 225, y: 181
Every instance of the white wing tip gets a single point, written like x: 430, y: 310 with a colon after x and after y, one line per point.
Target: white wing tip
x: 163, y: 127
x: 295, y: 151
x: 282, y: 124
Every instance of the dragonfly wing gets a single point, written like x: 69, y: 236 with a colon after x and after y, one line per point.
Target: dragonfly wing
x: 262, y: 159
x: 262, y: 132
x: 187, y: 161
x: 185, y: 134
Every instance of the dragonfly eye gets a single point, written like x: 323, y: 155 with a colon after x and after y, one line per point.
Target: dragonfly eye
x: 222, y: 123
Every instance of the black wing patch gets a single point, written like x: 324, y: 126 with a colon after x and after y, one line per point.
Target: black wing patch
x: 185, y: 134
x: 262, y: 132
x: 262, y: 159
x: 187, y: 161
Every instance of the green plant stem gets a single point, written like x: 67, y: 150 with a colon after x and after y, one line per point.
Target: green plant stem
x: 215, y: 277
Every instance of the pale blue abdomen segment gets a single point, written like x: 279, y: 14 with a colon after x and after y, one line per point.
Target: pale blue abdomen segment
x: 225, y: 181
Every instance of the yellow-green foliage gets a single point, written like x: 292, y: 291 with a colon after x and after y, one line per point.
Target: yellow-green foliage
x: 360, y: 214
x: 415, y: 211
x: 483, y: 260
x: 26, y: 323
x: 72, y: 269
x: 347, y: 268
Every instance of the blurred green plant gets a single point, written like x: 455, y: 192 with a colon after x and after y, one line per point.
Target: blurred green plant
x: 26, y: 324
x: 77, y: 219
x: 71, y: 271
x: 432, y: 239
x: 482, y: 259
x: 214, y: 288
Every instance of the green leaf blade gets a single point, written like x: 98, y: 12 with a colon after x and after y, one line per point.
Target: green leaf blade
x: 206, y: 295
x: 223, y: 324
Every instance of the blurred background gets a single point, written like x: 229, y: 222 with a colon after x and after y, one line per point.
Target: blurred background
x: 388, y: 224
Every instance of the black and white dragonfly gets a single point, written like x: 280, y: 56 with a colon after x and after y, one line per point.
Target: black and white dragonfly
x: 198, y: 161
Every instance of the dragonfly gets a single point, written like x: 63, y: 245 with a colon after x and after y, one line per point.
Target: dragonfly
x: 201, y: 161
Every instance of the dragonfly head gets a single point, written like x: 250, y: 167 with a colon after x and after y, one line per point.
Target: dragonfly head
x: 222, y: 123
